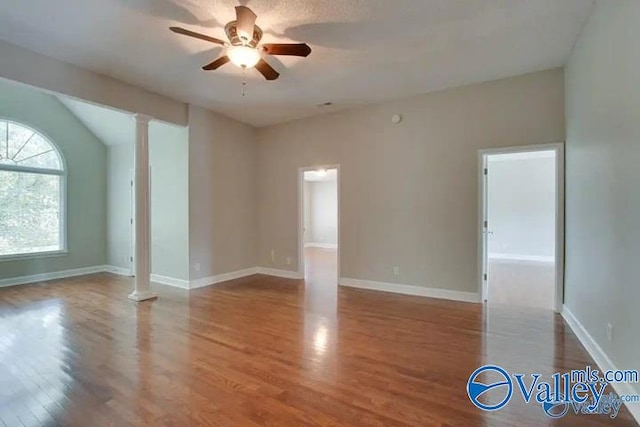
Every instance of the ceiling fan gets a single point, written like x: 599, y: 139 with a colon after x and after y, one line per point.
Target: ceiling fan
x: 243, y: 48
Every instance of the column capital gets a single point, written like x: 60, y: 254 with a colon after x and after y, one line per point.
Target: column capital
x: 142, y: 118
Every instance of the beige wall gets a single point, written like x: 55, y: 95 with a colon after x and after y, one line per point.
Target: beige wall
x: 169, y: 220
x: 408, y: 191
x: 202, y: 197
x: 603, y: 173
x: 21, y: 65
x: 169, y: 162
x: 222, y: 194
x: 119, y: 213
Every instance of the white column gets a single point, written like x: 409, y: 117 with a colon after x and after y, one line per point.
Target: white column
x: 142, y: 290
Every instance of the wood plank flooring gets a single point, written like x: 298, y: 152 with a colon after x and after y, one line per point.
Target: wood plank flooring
x: 265, y: 351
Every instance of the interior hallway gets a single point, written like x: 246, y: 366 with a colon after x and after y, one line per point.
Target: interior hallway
x: 321, y: 280
x: 520, y: 283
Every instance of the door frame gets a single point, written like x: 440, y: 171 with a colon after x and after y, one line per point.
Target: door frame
x: 132, y: 230
x: 301, y: 171
x: 558, y: 147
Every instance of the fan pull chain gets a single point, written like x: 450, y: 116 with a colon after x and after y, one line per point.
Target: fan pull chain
x: 244, y: 81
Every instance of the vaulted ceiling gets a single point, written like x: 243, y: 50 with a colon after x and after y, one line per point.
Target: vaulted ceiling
x: 364, y: 51
x: 110, y: 126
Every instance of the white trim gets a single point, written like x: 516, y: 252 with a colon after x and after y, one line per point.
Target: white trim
x: 301, y: 244
x: 164, y: 280
x: 142, y: 222
x: 410, y: 290
x: 286, y: 274
x: 34, y: 255
x: 118, y: 270
x: 132, y: 225
x: 559, y: 214
x: 212, y: 280
x: 600, y: 357
x: 31, y: 169
x: 170, y: 281
x: 138, y: 296
x: 543, y: 154
x: 523, y: 148
x: 321, y: 245
x: 520, y: 257
x: 34, y: 278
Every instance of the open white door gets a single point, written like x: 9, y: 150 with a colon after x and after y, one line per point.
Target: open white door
x: 521, y: 199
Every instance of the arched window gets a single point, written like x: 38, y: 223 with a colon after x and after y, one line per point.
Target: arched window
x: 32, y: 192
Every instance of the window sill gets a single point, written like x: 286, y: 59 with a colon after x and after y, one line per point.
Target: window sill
x: 35, y: 255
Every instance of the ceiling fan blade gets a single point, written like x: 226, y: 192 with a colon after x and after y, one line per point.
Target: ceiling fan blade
x: 217, y: 63
x: 189, y: 33
x: 246, y: 21
x: 267, y: 70
x: 292, y: 49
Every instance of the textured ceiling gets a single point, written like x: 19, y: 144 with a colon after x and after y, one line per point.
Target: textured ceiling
x: 364, y: 51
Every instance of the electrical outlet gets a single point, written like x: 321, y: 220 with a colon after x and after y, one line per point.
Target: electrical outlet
x: 396, y: 271
x: 288, y: 260
x: 273, y: 256
x: 197, y: 266
x: 609, y: 332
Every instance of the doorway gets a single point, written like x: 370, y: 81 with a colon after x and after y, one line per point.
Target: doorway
x: 319, y: 225
x: 521, y: 226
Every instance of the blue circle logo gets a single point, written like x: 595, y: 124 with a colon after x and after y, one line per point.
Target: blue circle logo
x: 502, y: 388
x: 557, y: 408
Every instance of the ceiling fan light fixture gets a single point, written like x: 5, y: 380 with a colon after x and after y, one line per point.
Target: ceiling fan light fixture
x: 243, y: 56
x: 244, y: 49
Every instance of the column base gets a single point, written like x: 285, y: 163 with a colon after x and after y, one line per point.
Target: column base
x: 142, y: 296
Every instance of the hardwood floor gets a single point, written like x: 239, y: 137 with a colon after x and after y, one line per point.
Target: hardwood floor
x: 265, y: 351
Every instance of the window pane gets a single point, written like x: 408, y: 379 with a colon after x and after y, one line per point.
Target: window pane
x: 37, y: 152
x: 46, y: 160
x: 29, y: 213
x: 18, y: 140
x: 18, y: 135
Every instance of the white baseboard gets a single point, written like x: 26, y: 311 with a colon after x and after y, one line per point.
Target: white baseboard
x: 518, y: 257
x: 321, y: 245
x: 34, y: 278
x: 157, y: 278
x: 287, y: 274
x: 118, y: 270
x: 170, y: 281
x: 410, y: 290
x: 600, y: 357
x: 212, y: 280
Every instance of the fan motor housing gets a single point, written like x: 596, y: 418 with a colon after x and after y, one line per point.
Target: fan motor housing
x: 232, y: 33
